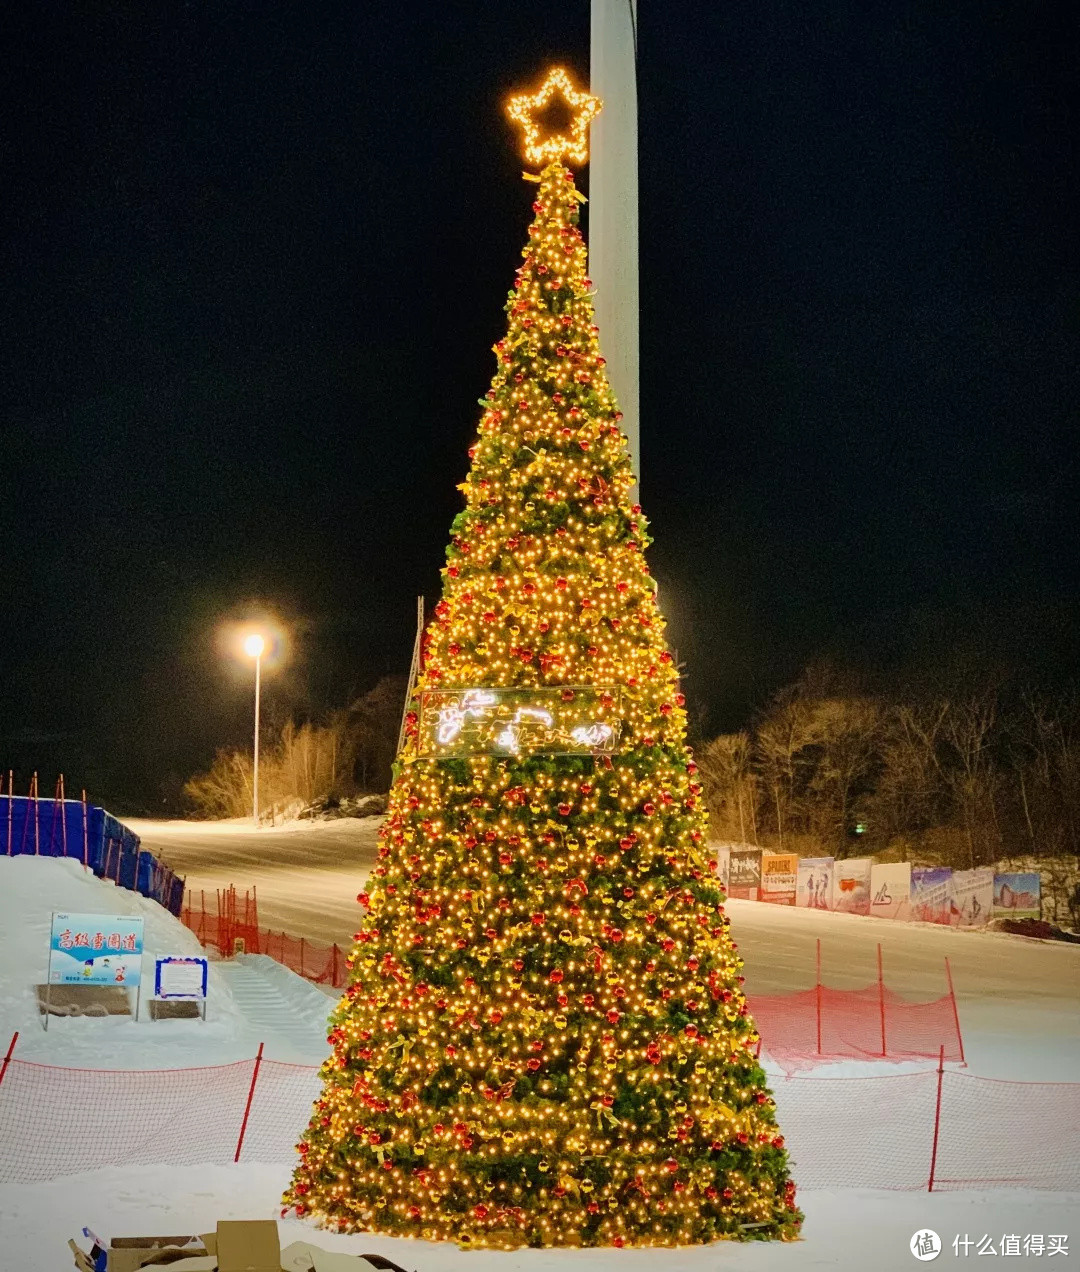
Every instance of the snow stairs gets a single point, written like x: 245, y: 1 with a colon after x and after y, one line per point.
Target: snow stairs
x: 289, y: 1017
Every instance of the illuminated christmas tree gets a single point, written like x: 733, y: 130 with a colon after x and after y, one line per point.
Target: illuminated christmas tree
x: 545, y: 1040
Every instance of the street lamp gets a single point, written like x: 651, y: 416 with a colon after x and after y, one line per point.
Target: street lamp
x: 253, y: 647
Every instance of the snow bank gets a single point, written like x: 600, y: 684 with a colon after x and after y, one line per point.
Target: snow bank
x: 31, y: 888
x: 857, y: 1229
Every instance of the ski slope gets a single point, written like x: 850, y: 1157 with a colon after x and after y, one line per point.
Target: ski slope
x: 1019, y: 999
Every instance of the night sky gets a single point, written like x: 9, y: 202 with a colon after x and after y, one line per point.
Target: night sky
x: 255, y: 256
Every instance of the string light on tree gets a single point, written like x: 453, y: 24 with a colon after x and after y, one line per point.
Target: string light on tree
x: 545, y: 1040
x: 571, y: 146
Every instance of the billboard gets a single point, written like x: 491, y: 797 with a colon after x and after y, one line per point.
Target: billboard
x: 851, y: 886
x: 779, y: 873
x: 1018, y: 896
x: 972, y: 897
x: 744, y: 873
x: 96, y: 949
x: 890, y: 890
x: 931, y: 893
x: 813, y: 888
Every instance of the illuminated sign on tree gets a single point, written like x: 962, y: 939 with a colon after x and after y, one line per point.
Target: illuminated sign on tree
x: 578, y: 720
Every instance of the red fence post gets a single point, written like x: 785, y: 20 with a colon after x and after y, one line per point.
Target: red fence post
x: 247, y: 1107
x: 955, y: 1013
x: 818, y: 995
x: 881, y: 996
x: 301, y: 956
x: 333, y: 965
x: 937, y: 1117
x: 7, y: 1058
x: 85, y: 836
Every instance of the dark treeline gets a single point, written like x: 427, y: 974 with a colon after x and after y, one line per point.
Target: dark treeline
x: 964, y: 775
x: 307, y: 763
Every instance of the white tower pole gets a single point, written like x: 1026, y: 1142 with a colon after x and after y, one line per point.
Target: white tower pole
x: 613, y: 203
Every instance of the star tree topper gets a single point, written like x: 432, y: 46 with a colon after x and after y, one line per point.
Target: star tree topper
x: 571, y: 145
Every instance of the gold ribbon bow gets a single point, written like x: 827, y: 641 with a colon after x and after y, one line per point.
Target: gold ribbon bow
x: 603, y: 1111
x: 404, y: 1043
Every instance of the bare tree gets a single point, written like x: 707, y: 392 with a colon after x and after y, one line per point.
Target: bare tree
x: 846, y: 735
x: 909, y: 793
x: 780, y: 743
x: 731, y: 787
x: 971, y: 773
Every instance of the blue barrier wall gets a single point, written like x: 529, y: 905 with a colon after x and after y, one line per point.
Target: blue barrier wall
x: 86, y: 833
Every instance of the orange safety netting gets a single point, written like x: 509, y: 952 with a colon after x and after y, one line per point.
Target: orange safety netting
x: 822, y: 1024
x: 876, y: 1132
x: 798, y: 1030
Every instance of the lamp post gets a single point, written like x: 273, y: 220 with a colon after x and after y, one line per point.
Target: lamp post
x: 253, y: 647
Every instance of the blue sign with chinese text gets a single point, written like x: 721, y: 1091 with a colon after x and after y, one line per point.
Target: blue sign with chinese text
x: 96, y: 949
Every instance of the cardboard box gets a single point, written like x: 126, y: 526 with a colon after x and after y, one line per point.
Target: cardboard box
x: 238, y: 1245
x: 248, y: 1245
x: 128, y: 1254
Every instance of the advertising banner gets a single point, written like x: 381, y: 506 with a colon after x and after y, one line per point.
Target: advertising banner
x: 1018, y: 896
x: 890, y: 890
x: 931, y: 894
x: 851, y: 886
x: 96, y: 949
x: 815, y: 883
x: 972, y: 897
x: 745, y: 873
x: 779, y: 874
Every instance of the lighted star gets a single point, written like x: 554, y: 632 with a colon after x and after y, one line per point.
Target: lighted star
x: 572, y: 145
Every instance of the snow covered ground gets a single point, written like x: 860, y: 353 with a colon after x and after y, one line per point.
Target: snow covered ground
x: 853, y: 1230
x: 1019, y: 1007
x: 31, y: 888
x: 1011, y: 990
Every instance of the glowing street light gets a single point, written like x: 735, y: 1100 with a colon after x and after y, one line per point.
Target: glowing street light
x: 254, y: 645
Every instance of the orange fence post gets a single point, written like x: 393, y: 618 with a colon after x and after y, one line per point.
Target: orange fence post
x: 881, y: 996
x: 937, y: 1117
x: 955, y: 1013
x: 247, y: 1106
x: 301, y: 956
x: 52, y: 824
x: 818, y: 995
x: 7, y: 1058
x: 63, y: 816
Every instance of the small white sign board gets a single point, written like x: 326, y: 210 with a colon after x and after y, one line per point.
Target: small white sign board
x: 180, y: 977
